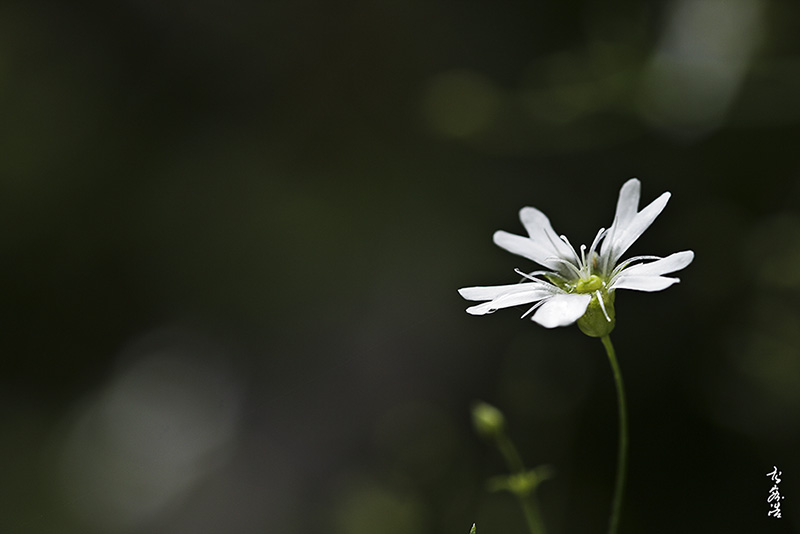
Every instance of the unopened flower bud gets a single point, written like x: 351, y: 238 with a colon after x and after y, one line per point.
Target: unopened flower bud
x: 488, y: 420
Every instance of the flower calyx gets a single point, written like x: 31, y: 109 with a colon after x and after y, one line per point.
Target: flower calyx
x: 600, y: 317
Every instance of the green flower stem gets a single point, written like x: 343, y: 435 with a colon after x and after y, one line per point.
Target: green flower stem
x: 510, y: 454
x: 530, y: 508
x: 622, y: 454
x: 527, y: 499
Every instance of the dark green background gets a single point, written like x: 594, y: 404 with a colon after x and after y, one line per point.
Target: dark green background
x: 292, y: 192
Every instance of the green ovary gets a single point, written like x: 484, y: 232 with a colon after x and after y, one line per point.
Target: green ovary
x: 589, y: 285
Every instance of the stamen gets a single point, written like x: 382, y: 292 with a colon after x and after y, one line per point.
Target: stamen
x: 641, y: 258
x: 600, y: 235
x: 540, y: 273
x: 583, y: 256
x: 611, y: 234
x: 533, y: 308
x: 568, y: 264
x: 530, y: 276
x: 556, y: 249
x: 593, y: 256
x: 627, y: 262
x: 555, y: 275
x: 571, y: 248
x: 602, y: 306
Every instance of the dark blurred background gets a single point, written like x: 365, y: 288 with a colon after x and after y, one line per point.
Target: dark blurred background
x: 232, y: 235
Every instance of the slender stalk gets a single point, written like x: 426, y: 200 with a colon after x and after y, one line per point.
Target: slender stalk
x: 527, y: 500
x: 622, y: 453
x: 510, y: 454
x: 531, y: 510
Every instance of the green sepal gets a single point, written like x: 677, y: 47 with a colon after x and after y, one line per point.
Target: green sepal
x: 558, y: 281
x: 594, y: 322
x: 521, y: 484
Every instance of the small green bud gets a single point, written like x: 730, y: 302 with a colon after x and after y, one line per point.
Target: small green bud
x: 473, y: 530
x: 488, y: 420
x: 599, y: 319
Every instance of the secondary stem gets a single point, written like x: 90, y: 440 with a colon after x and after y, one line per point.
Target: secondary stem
x: 622, y: 453
x: 527, y: 500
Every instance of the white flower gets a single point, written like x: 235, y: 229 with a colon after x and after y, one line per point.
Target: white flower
x: 580, y: 287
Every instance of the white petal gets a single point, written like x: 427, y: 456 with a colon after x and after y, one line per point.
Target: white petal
x: 541, y: 253
x: 514, y: 298
x: 562, y: 310
x: 627, y: 207
x: 643, y: 282
x: 670, y: 264
x: 492, y: 292
x: 540, y: 230
x: 626, y: 230
x: 628, y: 202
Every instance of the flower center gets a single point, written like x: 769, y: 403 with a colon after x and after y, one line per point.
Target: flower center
x: 589, y: 285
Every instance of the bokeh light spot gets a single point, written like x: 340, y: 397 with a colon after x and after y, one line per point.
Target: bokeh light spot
x: 162, y: 424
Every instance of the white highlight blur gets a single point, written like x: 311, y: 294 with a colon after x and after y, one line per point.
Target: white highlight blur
x: 158, y: 428
x: 696, y: 72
